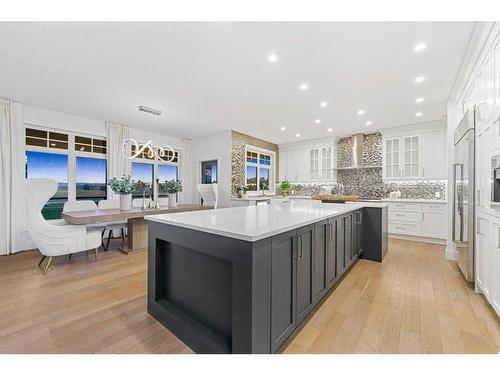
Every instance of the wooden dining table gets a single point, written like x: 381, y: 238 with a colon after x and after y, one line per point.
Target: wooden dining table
x: 137, y: 228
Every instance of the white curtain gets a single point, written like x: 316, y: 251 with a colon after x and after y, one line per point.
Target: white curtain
x: 186, y: 174
x: 13, y: 236
x: 117, y: 164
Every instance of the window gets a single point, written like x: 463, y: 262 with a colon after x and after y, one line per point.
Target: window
x: 90, y: 178
x: 142, y: 172
x: 166, y: 172
x: 50, y: 165
x: 258, y: 171
x: 77, y: 162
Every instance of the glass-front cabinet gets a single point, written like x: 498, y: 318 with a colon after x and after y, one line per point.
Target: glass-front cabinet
x: 402, y: 157
x: 321, y: 163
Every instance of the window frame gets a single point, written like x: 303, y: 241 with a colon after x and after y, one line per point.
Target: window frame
x: 70, y: 152
x: 271, y: 167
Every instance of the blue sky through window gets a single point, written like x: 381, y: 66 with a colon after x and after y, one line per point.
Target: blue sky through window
x: 90, y: 170
x: 44, y: 164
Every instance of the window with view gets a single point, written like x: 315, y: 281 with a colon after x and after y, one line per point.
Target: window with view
x: 90, y: 178
x: 142, y: 172
x: 166, y: 172
x: 258, y: 171
x: 49, y: 155
x: 50, y: 165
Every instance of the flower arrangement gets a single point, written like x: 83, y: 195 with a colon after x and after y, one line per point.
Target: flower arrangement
x: 122, y: 185
x: 173, y: 186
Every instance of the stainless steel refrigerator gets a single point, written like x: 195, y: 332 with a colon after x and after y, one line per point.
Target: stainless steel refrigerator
x: 463, y: 194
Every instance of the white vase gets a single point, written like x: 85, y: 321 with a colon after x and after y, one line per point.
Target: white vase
x: 125, y: 202
x: 172, y: 200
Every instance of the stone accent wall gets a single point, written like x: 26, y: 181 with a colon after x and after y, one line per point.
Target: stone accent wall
x: 239, y: 141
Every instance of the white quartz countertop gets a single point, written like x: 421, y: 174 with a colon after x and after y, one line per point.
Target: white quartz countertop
x: 415, y: 200
x: 253, y: 223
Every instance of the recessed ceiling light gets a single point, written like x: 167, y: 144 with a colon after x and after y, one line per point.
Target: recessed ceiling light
x: 420, y: 47
x: 418, y: 114
x: 303, y: 86
x: 317, y: 121
x: 369, y: 123
x: 283, y: 128
x: 330, y: 129
x: 297, y: 135
x: 419, y: 79
x: 419, y: 100
x: 324, y: 104
x: 361, y: 112
x: 272, y: 58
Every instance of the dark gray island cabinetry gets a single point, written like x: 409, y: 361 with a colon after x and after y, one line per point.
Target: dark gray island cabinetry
x: 241, y: 280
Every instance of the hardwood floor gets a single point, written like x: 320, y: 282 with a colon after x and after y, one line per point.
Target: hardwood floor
x: 415, y: 302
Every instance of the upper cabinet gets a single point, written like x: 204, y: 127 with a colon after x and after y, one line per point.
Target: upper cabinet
x: 311, y: 161
x: 412, y: 154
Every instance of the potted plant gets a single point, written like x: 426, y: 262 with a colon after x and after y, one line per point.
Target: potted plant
x: 123, y: 187
x: 285, y: 188
x: 173, y: 187
x: 244, y: 190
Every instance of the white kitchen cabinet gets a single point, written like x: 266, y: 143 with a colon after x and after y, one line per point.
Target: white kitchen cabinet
x: 308, y: 162
x: 434, y: 224
x: 483, y: 166
x: 495, y: 265
x: 495, y: 111
x: 483, y: 254
x: 418, y: 219
x: 418, y: 155
x: 433, y: 155
x: 411, y: 156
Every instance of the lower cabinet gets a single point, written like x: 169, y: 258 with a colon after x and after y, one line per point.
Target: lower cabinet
x: 291, y: 281
x: 305, y: 264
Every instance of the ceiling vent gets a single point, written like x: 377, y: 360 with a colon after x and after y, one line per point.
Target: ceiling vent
x: 153, y: 111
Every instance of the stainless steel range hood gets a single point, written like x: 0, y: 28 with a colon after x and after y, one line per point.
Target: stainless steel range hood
x: 357, y: 151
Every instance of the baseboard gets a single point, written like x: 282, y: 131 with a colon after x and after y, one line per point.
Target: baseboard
x: 451, y: 254
x: 434, y: 241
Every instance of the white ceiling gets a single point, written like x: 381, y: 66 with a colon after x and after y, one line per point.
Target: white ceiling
x: 208, y: 77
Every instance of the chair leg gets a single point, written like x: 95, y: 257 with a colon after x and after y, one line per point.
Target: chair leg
x: 109, y: 238
x: 41, y: 260
x: 123, y: 235
x: 97, y: 254
x: 70, y: 255
x: 49, y: 261
x: 102, y: 238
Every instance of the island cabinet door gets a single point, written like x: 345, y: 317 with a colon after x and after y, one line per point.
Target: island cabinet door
x: 305, y: 267
x: 340, y: 237
x: 284, y: 254
x: 331, y: 252
x: 320, y: 273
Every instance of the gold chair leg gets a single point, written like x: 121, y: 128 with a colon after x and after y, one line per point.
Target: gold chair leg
x: 41, y: 260
x: 49, y: 261
x: 97, y: 254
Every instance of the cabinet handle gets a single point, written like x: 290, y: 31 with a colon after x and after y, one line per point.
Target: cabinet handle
x: 401, y: 215
x: 295, y: 247
x: 478, y: 226
x: 400, y: 228
x: 423, y: 216
x: 358, y: 215
x: 498, y: 238
x: 301, y: 247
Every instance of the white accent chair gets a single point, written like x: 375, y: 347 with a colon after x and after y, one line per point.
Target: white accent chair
x: 54, y: 240
x: 209, y: 194
x: 112, y: 225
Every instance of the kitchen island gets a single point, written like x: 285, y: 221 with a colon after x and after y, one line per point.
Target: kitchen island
x: 241, y: 280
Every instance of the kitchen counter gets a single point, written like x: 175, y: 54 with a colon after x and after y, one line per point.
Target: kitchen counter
x: 253, y: 223
x: 403, y: 200
x: 243, y: 279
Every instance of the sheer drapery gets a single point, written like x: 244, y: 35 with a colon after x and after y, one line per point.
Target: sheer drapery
x: 13, y: 236
x: 117, y: 164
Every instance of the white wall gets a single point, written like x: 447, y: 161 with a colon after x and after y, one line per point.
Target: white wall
x: 214, y: 147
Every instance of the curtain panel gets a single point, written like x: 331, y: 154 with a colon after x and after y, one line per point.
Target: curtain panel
x: 117, y: 164
x: 13, y: 236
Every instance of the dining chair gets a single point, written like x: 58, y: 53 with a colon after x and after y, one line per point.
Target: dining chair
x: 54, y: 240
x: 83, y: 205
x: 112, y: 225
x: 209, y: 194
